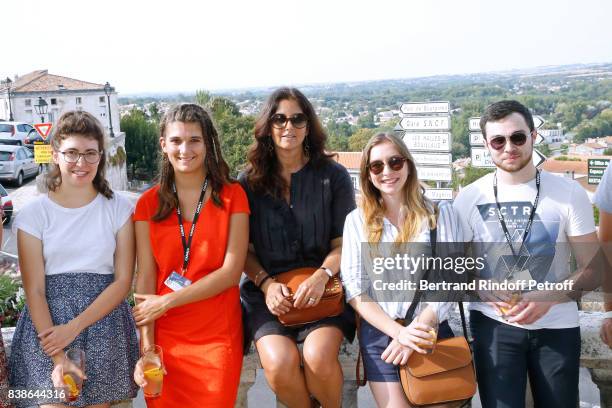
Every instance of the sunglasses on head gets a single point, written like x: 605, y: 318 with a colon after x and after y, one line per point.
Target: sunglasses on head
x: 395, y: 163
x: 279, y: 121
x: 517, y: 139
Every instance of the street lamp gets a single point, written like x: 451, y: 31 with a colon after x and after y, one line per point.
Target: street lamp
x: 8, y: 84
x: 107, y: 90
x: 41, y: 109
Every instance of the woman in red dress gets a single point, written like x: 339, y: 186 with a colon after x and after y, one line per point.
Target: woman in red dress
x: 192, y: 236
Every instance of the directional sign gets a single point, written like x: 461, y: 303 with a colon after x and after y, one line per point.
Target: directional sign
x: 476, y: 139
x: 42, y: 153
x: 440, y: 159
x: 434, y: 173
x: 597, y: 168
x: 425, y: 123
x: 437, y: 194
x: 598, y: 162
x: 437, y: 142
x: 539, y: 139
x: 425, y: 107
x: 474, y: 125
x: 482, y: 158
x: 43, y: 129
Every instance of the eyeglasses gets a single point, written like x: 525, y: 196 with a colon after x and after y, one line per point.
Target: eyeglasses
x: 73, y: 156
x: 279, y: 121
x: 395, y: 163
x: 517, y: 139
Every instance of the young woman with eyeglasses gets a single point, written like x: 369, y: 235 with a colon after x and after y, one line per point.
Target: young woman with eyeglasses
x: 393, y: 210
x: 76, y: 256
x: 299, y: 198
x: 192, y: 236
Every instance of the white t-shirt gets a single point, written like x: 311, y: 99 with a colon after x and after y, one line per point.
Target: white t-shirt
x: 603, y: 195
x: 564, y: 210
x: 75, y: 239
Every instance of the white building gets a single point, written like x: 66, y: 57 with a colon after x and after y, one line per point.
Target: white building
x: 62, y: 94
x: 552, y: 135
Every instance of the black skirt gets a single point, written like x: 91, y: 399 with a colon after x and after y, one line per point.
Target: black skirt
x: 259, y: 322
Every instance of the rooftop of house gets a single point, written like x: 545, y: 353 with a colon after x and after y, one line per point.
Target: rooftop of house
x: 42, y: 81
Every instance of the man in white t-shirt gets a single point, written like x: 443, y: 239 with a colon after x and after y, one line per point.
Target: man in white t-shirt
x: 524, y: 220
x: 603, y: 200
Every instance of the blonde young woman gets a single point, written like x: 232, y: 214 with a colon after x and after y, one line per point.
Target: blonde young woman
x: 393, y: 209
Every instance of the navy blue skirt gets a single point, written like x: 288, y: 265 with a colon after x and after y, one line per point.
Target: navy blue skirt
x: 373, y: 342
x: 110, y: 344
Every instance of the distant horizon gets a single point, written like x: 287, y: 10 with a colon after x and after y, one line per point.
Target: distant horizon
x: 322, y: 84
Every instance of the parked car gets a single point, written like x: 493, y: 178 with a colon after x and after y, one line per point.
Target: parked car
x: 17, y: 163
x: 7, y: 205
x: 31, y: 138
x: 15, y: 133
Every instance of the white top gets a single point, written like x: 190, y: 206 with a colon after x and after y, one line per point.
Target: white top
x: 75, y: 239
x: 563, y: 211
x: 603, y: 195
x: 357, y: 277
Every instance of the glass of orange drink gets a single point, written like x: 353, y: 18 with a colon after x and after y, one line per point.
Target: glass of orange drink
x: 153, y: 368
x: 75, y: 361
x: 515, y: 297
x: 427, y: 315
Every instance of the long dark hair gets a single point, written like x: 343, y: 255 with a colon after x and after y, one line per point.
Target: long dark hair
x: 217, y: 169
x: 82, y: 124
x: 262, y: 170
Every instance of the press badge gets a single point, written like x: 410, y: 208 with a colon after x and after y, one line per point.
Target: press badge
x: 176, y: 282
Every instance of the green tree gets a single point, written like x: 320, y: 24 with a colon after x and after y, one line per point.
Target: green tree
x: 358, y: 140
x: 471, y: 174
x: 141, y: 145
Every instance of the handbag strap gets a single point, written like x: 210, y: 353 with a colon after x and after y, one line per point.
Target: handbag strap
x: 433, y: 238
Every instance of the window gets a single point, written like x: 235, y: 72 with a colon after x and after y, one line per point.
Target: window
x: 101, y: 99
x: 28, y: 102
x: 53, y: 101
x: 29, y: 154
x: 51, y: 117
x: 21, y: 128
x: 79, y: 100
x: 20, y: 155
x: 355, y: 180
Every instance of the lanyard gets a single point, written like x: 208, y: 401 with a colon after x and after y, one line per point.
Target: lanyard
x: 502, y: 220
x: 187, y: 243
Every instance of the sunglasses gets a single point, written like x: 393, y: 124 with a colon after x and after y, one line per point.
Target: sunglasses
x: 279, y: 121
x: 395, y: 163
x: 517, y: 139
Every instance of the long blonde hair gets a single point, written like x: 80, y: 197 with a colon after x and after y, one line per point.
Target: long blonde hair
x: 415, y: 207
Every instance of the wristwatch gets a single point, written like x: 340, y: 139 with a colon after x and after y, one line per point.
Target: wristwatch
x: 328, y: 271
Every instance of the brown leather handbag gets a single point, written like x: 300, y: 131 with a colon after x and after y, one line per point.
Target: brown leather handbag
x: 331, y: 303
x: 444, y: 378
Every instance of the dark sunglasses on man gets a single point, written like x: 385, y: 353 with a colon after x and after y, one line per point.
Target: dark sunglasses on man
x: 279, y: 121
x: 395, y: 163
x: 499, y: 142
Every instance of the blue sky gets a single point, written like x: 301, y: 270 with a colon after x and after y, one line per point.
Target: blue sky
x: 183, y: 45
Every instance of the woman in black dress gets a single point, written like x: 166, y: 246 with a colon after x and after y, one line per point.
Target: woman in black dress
x: 299, y: 198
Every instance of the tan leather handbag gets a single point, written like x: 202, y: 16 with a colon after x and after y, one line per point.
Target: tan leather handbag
x: 444, y: 377
x: 331, y: 303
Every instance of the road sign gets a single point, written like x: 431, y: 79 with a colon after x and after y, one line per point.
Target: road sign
x: 597, y: 168
x: 425, y: 123
x: 42, y: 153
x: 434, y: 173
x: 474, y: 125
x: 438, y: 194
x: 440, y: 159
x: 43, y: 129
x: 598, y: 162
x: 436, y: 142
x: 539, y: 139
x: 424, y: 107
x: 476, y: 139
x: 482, y: 158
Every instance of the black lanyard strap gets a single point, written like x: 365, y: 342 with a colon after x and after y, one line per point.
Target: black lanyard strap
x: 502, y: 220
x: 187, y: 242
